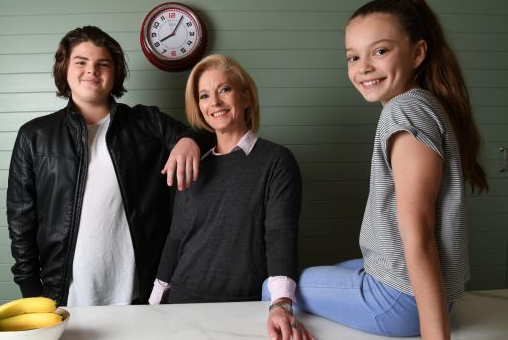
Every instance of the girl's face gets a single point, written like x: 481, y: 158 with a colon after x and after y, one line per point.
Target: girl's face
x: 222, y: 101
x: 381, y: 59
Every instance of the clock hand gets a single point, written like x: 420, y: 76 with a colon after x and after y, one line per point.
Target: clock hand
x: 174, y: 30
x: 176, y: 27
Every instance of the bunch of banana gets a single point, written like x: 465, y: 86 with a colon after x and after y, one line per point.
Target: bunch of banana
x: 28, y: 313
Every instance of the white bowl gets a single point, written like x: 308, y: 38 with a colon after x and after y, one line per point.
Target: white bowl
x: 47, y: 333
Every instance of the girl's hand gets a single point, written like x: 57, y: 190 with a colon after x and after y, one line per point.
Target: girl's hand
x: 282, y: 325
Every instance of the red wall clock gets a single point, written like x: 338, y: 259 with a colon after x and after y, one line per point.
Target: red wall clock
x: 173, y: 37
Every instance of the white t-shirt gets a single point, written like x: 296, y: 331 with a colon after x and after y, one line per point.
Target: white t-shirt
x: 103, y: 271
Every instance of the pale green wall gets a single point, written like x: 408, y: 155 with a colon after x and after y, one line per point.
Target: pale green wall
x: 294, y: 50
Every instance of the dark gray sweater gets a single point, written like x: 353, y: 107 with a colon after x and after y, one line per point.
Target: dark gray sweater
x: 234, y: 227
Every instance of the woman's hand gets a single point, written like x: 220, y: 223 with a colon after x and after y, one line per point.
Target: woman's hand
x: 183, y: 162
x: 282, y: 325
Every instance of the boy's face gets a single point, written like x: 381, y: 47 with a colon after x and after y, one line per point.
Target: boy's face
x: 90, y: 74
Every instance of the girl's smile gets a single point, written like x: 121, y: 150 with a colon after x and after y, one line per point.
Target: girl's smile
x: 381, y: 59
x: 370, y: 83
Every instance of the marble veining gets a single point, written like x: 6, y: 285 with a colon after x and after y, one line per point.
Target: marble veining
x: 481, y: 315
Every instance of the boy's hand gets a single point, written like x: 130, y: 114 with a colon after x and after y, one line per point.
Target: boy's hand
x: 184, y: 159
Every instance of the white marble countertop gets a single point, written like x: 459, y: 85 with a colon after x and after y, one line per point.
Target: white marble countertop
x: 479, y: 315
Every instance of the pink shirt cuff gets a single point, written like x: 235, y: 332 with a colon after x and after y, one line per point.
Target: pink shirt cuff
x: 281, y: 287
x: 278, y: 286
x: 159, y: 288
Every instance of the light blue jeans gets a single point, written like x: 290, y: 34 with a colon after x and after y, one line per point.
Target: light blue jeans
x: 346, y: 294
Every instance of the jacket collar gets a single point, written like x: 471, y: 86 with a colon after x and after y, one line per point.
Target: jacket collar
x: 113, y: 105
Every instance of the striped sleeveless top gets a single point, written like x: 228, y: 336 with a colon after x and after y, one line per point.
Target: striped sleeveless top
x: 418, y: 112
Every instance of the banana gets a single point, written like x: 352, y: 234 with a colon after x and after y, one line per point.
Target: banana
x: 27, y: 305
x: 25, y: 322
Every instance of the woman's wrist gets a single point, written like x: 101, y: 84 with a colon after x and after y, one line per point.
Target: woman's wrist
x: 283, y: 303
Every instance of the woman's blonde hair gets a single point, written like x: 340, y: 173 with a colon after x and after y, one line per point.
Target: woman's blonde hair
x: 232, y: 67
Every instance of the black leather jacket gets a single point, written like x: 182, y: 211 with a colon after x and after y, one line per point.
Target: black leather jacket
x: 46, y: 185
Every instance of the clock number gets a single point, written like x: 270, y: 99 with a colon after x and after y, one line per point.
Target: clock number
x: 172, y: 37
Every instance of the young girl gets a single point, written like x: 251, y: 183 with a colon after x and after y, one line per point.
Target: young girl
x: 413, y: 236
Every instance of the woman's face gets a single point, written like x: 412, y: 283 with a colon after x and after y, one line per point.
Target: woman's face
x: 222, y: 101
x: 381, y: 59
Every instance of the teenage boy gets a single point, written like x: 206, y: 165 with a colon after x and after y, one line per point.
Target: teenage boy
x: 88, y: 210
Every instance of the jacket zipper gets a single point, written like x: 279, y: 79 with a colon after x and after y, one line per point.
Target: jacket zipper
x: 122, y: 194
x: 78, y: 203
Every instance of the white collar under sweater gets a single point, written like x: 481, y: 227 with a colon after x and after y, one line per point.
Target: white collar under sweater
x: 246, y: 143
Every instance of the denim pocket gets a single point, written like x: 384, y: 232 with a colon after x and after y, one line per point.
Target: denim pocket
x: 401, y: 319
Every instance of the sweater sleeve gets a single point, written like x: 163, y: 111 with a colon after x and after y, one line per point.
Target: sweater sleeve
x: 170, y: 254
x: 168, y: 261
x: 283, y: 203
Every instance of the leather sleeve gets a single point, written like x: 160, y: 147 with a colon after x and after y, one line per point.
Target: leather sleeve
x: 22, y: 219
x: 204, y: 139
x: 173, y: 130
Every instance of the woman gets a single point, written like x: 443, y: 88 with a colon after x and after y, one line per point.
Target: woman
x: 238, y: 224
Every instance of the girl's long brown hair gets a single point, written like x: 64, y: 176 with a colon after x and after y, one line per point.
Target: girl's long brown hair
x: 440, y: 74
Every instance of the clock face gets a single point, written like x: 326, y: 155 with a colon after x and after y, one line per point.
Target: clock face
x: 172, y: 36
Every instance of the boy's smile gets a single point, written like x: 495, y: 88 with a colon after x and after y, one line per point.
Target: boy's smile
x: 90, y: 74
